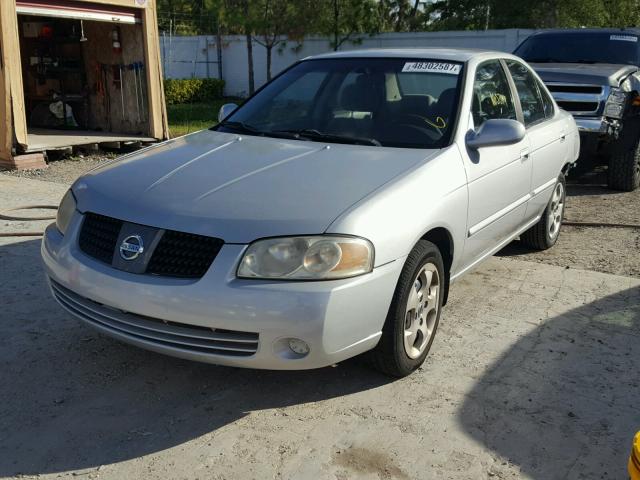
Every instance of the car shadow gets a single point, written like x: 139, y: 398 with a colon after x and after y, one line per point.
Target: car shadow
x: 562, y: 403
x: 74, y: 399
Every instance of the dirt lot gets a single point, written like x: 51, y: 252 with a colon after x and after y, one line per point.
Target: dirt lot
x: 609, y: 250
x: 532, y: 375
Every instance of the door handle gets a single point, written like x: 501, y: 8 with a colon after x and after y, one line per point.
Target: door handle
x: 524, y: 154
x: 563, y: 137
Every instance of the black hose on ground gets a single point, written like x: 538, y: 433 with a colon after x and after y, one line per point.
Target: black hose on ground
x: 5, y: 215
x: 600, y: 225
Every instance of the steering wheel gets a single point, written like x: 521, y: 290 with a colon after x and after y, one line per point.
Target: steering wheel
x: 422, y: 124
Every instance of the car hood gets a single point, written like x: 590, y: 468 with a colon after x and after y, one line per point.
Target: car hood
x: 591, y: 74
x: 240, y: 188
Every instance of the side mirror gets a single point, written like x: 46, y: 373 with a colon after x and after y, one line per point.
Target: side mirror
x: 497, y: 131
x: 226, y: 110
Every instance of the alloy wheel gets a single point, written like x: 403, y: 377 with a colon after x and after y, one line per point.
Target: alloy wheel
x: 422, y: 310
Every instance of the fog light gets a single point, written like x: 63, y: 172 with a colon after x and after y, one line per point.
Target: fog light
x: 298, y: 346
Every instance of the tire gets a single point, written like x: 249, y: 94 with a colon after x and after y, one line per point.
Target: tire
x: 623, y: 172
x: 423, y: 273
x: 545, y: 233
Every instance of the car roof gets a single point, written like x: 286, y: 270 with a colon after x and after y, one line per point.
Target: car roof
x: 587, y: 31
x: 452, y: 54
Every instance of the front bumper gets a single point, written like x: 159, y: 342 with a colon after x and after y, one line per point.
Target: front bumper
x: 338, y: 319
x: 592, y: 125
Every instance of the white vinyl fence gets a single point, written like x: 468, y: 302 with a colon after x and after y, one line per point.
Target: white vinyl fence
x: 187, y: 57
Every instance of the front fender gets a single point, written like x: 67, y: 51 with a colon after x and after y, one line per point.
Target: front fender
x: 431, y: 195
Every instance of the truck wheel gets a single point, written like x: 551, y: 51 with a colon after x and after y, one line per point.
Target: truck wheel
x: 414, y: 313
x: 624, y: 168
x: 545, y: 233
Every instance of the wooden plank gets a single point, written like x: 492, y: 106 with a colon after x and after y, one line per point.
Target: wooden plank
x: 32, y: 161
x: 41, y: 139
x: 6, y: 118
x: 158, y: 124
x: 117, y: 3
x: 13, y: 68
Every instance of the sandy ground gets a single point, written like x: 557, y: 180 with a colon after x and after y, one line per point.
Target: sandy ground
x: 532, y: 375
x: 609, y: 250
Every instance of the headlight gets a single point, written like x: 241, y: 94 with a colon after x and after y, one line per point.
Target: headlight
x: 65, y: 211
x: 616, y: 104
x: 318, y: 257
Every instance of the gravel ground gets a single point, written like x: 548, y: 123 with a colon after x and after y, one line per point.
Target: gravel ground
x: 64, y: 170
x: 529, y: 381
x: 607, y: 250
x: 533, y: 381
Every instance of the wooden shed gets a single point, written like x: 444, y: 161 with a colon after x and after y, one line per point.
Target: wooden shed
x: 78, y: 73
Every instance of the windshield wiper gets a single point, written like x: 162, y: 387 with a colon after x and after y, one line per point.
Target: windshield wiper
x: 241, y: 127
x: 316, y: 135
x: 251, y: 130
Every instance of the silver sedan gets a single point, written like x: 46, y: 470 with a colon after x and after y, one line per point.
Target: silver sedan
x: 324, y: 218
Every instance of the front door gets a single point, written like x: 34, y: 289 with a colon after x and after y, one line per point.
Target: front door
x: 498, y: 177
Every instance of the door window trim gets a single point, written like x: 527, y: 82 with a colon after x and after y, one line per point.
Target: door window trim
x: 513, y: 85
x: 514, y: 97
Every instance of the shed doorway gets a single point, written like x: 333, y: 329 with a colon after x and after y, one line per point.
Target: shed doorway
x: 84, y: 76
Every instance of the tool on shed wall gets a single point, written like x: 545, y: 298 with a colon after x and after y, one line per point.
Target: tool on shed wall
x: 115, y: 40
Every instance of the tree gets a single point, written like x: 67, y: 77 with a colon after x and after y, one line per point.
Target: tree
x: 474, y: 15
x: 237, y: 18
x: 277, y: 21
x: 344, y: 20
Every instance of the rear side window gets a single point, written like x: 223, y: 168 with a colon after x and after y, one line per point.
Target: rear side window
x: 491, y: 94
x: 531, y: 100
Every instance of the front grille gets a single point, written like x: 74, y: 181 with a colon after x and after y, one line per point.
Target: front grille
x: 578, y: 106
x: 178, y: 254
x: 597, y: 89
x: 98, y: 236
x: 174, y: 335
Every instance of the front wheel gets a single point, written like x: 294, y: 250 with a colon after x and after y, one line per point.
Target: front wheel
x: 545, y: 233
x: 623, y: 171
x: 414, y: 313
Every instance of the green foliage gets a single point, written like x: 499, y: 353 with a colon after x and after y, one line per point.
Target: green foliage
x: 495, y: 14
x: 345, y: 20
x: 187, y: 118
x: 193, y: 90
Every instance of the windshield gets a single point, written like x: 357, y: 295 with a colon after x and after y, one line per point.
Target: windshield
x: 587, y: 47
x: 370, y: 101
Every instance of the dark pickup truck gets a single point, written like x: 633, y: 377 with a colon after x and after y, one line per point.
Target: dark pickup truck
x: 595, y: 75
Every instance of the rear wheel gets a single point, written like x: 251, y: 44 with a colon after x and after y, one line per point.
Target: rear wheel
x: 545, y: 233
x: 414, y: 313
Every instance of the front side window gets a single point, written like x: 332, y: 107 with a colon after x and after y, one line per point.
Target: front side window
x: 407, y: 103
x: 491, y: 94
x: 533, y: 108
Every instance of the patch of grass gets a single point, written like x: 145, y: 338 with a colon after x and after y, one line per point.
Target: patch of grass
x: 190, y: 117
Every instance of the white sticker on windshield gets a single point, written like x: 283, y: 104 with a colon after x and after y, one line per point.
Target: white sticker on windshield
x: 432, y: 67
x: 624, y: 38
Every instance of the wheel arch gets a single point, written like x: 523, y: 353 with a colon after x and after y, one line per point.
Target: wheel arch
x: 442, y: 238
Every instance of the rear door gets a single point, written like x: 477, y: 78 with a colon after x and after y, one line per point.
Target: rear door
x: 499, y: 177
x: 547, y: 135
